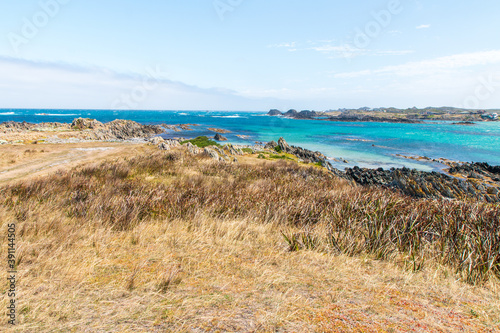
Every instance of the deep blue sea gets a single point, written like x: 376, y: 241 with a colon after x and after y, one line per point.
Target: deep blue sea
x: 363, y: 144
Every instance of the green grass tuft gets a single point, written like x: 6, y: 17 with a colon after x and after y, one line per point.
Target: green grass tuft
x: 280, y: 157
x: 247, y: 150
x: 202, y: 142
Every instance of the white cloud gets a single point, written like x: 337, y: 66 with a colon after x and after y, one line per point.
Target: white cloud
x: 424, y: 26
x: 31, y: 84
x: 426, y: 67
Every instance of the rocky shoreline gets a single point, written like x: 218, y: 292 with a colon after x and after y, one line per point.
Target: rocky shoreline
x: 80, y: 130
x: 312, y: 115
x: 479, y: 181
x: 475, y: 181
x: 392, y: 115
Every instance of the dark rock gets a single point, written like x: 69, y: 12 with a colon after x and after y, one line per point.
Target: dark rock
x: 306, y: 115
x: 274, y: 112
x: 291, y: 113
x: 421, y: 184
x: 219, y: 137
x: 365, y: 118
x: 271, y: 145
x: 305, y: 154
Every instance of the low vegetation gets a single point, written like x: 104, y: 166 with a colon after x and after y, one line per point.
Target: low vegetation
x: 247, y: 150
x: 158, y: 228
x: 202, y: 142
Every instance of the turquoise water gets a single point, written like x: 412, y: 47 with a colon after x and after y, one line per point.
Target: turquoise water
x: 362, y: 144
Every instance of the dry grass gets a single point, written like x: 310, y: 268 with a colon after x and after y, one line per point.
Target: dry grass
x: 168, y: 242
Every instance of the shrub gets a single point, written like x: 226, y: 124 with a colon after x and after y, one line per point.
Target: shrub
x: 280, y: 157
x: 247, y: 150
x: 202, y: 142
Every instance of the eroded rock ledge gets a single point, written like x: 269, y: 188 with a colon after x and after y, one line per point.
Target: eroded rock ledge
x: 479, y: 181
x: 80, y: 129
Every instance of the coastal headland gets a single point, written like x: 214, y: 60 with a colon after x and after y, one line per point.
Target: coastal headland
x: 196, y: 234
x: 394, y: 115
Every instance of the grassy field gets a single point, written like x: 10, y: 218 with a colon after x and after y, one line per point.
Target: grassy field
x: 149, y: 240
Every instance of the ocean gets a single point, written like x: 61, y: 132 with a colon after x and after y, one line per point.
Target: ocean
x: 365, y: 144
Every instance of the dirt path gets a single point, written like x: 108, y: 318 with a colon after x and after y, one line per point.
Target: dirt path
x: 19, y: 162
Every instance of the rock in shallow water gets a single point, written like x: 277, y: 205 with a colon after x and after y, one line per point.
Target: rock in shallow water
x: 219, y: 137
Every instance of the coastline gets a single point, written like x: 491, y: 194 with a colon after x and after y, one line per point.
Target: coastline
x: 457, y: 180
x: 348, y: 141
x: 392, y: 115
x: 214, y: 227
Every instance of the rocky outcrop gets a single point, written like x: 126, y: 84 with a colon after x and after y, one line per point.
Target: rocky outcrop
x: 424, y: 184
x: 85, y: 124
x: 307, y: 155
x: 305, y: 114
x: 482, y: 171
x: 466, y: 181
x: 219, y: 137
x: 192, y: 148
x: 271, y: 145
x: 89, y: 129
x: 347, y: 117
x: 185, y: 127
x: 211, y: 153
x: 274, y: 112
x: 174, y: 128
x: 219, y: 130
x: 114, y: 130
x: 125, y: 129
x: 168, y: 144
x: 232, y: 150
x: 291, y: 113
x: 13, y: 126
x: 214, y: 152
x: 365, y: 118
x: 156, y: 140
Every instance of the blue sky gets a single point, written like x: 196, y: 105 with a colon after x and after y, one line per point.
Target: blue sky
x: 248, y: 54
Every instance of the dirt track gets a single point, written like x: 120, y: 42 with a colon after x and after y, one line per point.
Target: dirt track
x: 19, y: 162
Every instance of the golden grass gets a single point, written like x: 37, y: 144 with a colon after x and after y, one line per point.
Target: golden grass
x: 94, y: 256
